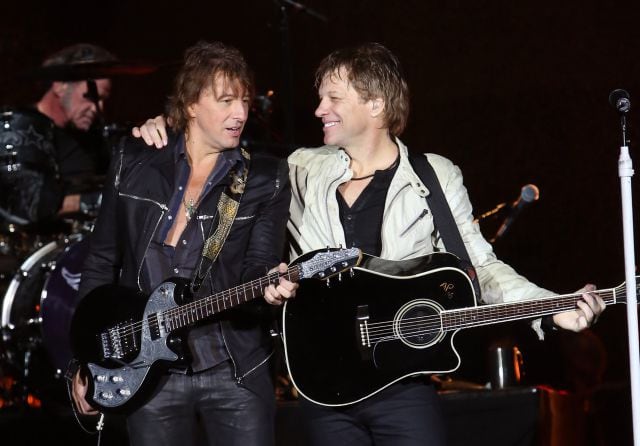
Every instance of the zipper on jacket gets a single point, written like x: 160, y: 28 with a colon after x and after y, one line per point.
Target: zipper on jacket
x: 135, y: 197
x: 239, y: 379
x: 163, y: 210
x: 146, y: 250
x: 420, y: 217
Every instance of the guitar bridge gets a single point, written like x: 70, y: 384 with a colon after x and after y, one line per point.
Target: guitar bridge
x: 118, y: 341
x: 362, y: 314
x: 362, y: 328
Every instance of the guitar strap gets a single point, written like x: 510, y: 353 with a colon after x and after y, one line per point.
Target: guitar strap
x: 228, y: 205
x: 443, y: 218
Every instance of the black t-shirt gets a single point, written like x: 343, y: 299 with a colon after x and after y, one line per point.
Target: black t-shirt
x: 362, y: 222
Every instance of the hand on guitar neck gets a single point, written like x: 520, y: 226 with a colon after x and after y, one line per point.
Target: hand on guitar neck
x: 274, y: 294
x: 278, y: 294
x: 589, y: 308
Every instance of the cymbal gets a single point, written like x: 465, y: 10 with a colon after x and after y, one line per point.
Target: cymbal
x: 95, y: 70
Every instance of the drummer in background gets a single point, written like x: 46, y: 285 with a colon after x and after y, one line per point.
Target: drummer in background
x: 76, y: 155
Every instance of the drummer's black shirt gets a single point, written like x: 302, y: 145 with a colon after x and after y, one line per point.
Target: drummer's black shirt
x: 52, y: 162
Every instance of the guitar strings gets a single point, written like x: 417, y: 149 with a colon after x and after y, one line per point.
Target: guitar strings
x: 174, y: 314
x: 379, y: 331
x: 187, y: 310
x: 426, y: 324
x: 293, y: 274
x: 456, y: 319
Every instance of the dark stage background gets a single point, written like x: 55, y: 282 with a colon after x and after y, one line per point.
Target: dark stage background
x: 513, y: 92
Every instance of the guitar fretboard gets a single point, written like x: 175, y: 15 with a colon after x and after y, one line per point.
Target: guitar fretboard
x: 504, y: 312
x: 201, y: 309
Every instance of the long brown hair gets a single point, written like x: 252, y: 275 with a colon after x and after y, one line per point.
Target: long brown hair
x: 203, y: 63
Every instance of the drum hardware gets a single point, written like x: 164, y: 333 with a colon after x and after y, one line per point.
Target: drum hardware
x: 36, y: 314
x: 4, y: 247
x: 15, y: 370
x: 39, y: 267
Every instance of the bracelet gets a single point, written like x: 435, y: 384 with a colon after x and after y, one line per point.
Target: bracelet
x: 548, y: 325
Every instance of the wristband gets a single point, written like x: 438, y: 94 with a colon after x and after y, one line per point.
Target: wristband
x: 548, y: 325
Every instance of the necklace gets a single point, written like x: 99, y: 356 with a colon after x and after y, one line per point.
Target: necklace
x: 391, y: 166
x: 190, y: 207
x: 363, y: 178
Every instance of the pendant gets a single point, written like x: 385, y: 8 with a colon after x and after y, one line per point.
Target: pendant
x: 190, y: 208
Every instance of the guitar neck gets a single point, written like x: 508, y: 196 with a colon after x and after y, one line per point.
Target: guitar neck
x: 526, y: 309
x: 320, y: 264
x: 206, y: 307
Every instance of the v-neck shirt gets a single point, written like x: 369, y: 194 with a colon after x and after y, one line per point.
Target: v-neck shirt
x: 362, y: 221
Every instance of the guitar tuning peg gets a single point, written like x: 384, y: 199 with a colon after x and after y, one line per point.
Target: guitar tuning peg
x: 351, y: 272
x: 328, y: 283
x: 339, y: 277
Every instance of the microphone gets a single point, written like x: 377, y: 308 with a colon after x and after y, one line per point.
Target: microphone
x: 619, y: 99
x: 528, y: 194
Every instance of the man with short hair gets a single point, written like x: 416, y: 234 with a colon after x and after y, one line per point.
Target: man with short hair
x: 361, y: 189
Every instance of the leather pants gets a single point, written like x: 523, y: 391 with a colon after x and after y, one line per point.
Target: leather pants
x: 206, y: 408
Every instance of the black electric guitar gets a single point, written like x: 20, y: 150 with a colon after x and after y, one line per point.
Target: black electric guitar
x: 126, y: 338
x: 389, y: 320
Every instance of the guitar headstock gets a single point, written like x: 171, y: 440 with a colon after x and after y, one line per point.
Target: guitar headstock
x: 324, y: 264
x: 621, y: 291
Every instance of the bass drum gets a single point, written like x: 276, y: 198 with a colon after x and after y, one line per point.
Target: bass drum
x: 36, y: 315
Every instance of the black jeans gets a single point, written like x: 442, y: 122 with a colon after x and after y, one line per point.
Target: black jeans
x: 404, y: 414
x: 205, y: 408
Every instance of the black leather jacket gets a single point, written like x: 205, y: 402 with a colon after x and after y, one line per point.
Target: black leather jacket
x: 140, y: 184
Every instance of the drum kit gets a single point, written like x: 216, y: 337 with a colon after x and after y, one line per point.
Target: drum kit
x: 39, y: 275
x: 40, y: 265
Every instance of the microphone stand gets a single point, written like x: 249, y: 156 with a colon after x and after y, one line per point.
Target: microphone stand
x: 286, y: 62
x: 287, y: 72
x: 625, y: 172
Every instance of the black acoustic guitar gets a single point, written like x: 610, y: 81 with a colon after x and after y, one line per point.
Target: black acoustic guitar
x: 389, y: 320
x: 126, y: 338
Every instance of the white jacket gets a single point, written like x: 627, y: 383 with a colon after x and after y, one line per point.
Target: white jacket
x: 407, y: 225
